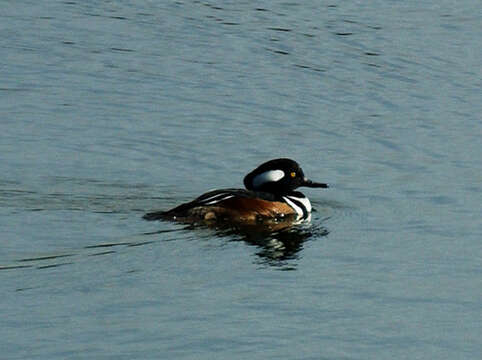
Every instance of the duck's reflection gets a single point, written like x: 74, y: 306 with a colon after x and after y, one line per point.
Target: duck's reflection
x: 277, y: 244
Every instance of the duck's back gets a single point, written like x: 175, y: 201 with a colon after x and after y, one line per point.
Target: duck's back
x: 236, y: 205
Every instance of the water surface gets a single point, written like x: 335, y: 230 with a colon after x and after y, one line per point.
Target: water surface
x: 109, y: 110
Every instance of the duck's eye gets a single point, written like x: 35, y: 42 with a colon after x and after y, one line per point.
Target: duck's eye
x: 293, y: 174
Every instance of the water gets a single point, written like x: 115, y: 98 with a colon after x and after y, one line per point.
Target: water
x: 109, y: 110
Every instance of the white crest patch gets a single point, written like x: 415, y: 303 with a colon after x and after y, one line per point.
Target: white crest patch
x: 267, y: 176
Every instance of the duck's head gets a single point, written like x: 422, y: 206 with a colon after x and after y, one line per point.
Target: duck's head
x: 278, y: 176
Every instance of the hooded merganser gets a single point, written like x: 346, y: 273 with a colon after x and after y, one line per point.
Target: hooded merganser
x: 269, y: 196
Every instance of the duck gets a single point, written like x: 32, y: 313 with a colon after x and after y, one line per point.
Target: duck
x: 270, y: 196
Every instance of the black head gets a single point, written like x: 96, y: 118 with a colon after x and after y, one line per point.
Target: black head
x: 278, y: 176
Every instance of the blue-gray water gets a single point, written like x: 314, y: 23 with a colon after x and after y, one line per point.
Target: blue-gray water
x: 112, y: 109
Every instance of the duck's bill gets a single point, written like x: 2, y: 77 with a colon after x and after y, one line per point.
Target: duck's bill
x: 312, y: 184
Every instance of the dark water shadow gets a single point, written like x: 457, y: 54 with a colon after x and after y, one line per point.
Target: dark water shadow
x: 39, y: 262
x: 47, y: 261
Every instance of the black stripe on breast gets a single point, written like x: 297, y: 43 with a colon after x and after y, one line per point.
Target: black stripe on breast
x: 299, y: 204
